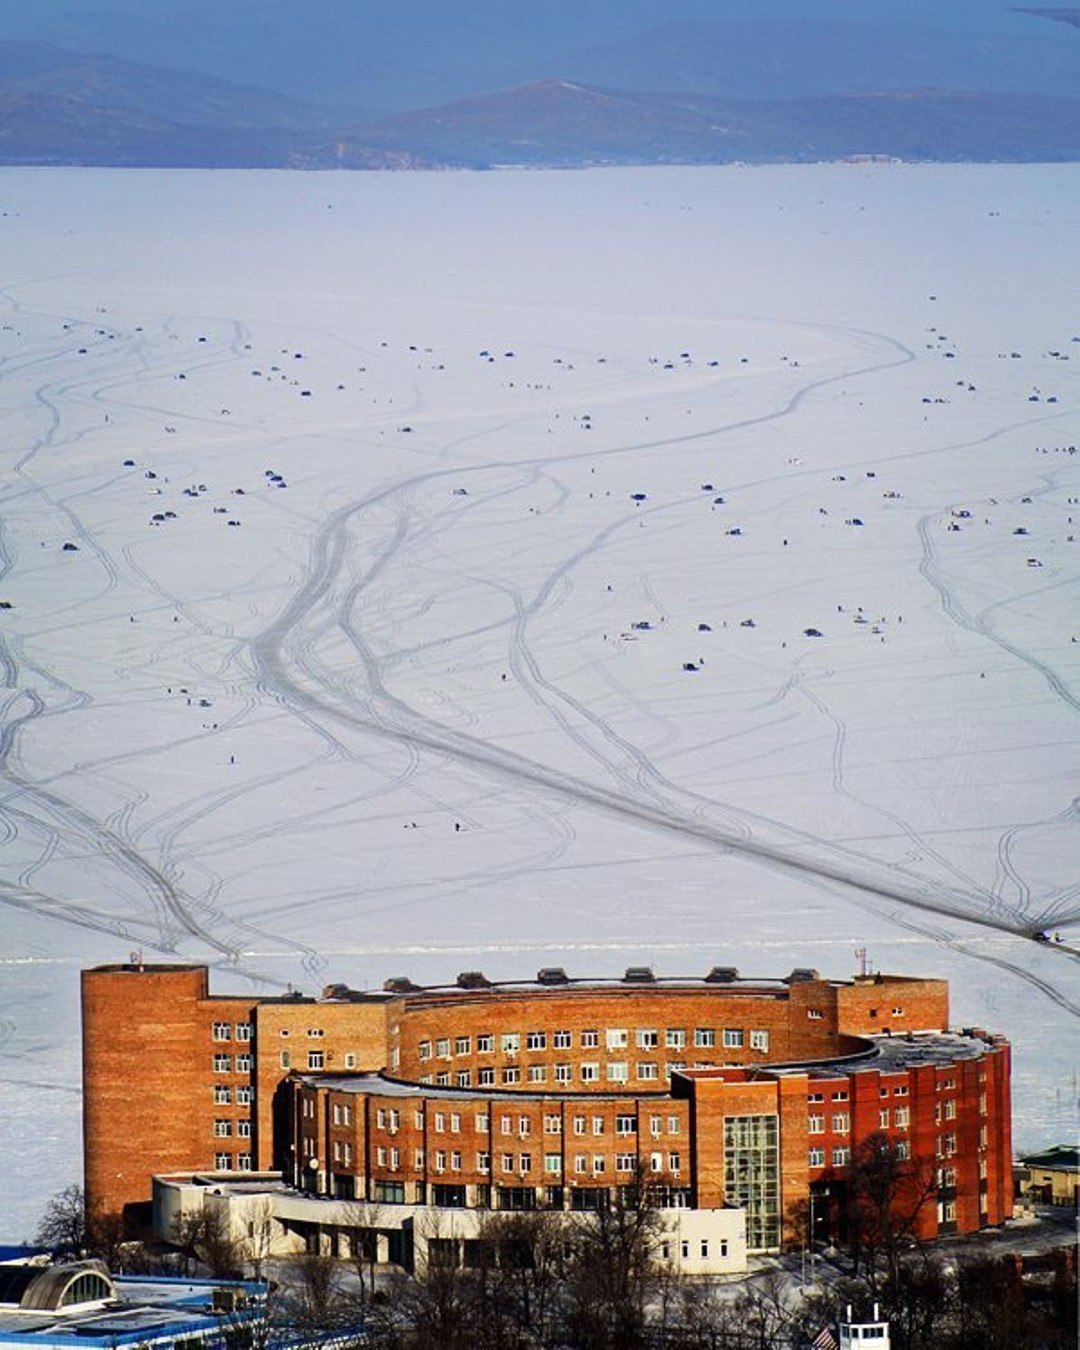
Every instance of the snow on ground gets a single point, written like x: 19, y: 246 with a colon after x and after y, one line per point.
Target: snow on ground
x: 415, y: 573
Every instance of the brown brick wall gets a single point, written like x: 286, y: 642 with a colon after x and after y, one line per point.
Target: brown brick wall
x: 147, y: 1096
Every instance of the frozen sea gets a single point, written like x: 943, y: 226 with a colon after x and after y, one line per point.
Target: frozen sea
x: 427, y: 572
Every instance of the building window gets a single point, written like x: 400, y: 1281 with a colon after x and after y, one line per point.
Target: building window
x: 552, y: 1163
x: 950, y: 1109
x: 455, y: 1122
x: 901, y: 1117
x: 563, y: 1073
x: 656, y: 1162
x: 525, y: 1162
x: 463, y: 1045
x: 598, y: 1124
x: 704, y: 1038
x: 617, y: 1038
x: 903, y: 1149
x: 463, y: 1078
x: 898, y: 1012
x: 579, y: 1124
x: 222, y: 1063
x: 590, y: 1039
x: 506, y: 1124
x: 536, y: 1040
x: 901, y: 1091
x: 485, y: 1077
x: 440, y: 1160
x: 537, y: 1073
x: 581, y: 1162
x: 222, y: 1129
x: 562, y: 1040
x: 618, y: 1071
x: 552, y: 1125
x: 507, y: 1162
x: 223, y: 1162
x: 841, y: 1122
x: 483, y: 1162
x: 524, y: 1127
x: 675, y: 1038
x: 485, y: 1044
x: 759, y: 1040
x: 222, y: 1031
x: 752, y: 1176
x: 418, y: 1159
x: 840, y: 1096
x: 350, y: 1060
x: 316, y: 1032
x: 841, y: 1156
x: 243, y: 1162
x: 624, y: 1125
x: 243, y: 1063
x: 243, y: 1129
x: 625, y: 1162
x: 511, y: 1042
x: 883, y: 1119
x: 243, y: 1031
x: 222, y: 1095
x: 814, y: 1014
x: 647, y: 1038
x: 648, y: 1071
x: 816, y: 1157
x: 510, y: 1075
x: 590, y: 1072
x: 815, y: 1124
x: 442, y: 1047
x: 733, y: 1038
x: 316, y: 1059
x: 674, y: 1162
x: 599, y: 1164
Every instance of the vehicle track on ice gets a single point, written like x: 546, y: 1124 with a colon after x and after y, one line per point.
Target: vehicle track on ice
x: 328, y: 597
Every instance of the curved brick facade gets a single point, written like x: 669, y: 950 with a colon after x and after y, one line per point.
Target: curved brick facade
x: 718, y: 1092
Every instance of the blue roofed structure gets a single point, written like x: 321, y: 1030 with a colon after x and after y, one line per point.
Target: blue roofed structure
x: 79, y: 1303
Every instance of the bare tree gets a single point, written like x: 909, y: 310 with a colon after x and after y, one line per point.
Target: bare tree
x: 613, y: 1270
x: 885, y: 1196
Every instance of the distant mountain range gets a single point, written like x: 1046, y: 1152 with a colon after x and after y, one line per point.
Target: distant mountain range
x: 697, y: 91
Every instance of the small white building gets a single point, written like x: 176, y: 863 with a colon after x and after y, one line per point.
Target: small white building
x: 268, y: 1219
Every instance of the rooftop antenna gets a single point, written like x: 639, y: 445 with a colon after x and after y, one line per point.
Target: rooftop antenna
x: 864, y: 961
x: 136, y: 959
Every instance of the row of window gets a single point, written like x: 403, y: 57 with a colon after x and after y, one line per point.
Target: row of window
x: 232, y: 1162
x: 231, y: 1063
x: 521, y: 1164
x: 614, y: 1038
x: 616, y: 1071
x: 686, y: 1249
x: 841, y: 1123
x: 227, y: 1031
x: 388, y: 1118
x: 316, y: 1059
x: 243, y: 1094
x: 224, y: 1128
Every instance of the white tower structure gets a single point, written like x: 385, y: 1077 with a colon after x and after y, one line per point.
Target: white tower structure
x: 865, y: 1335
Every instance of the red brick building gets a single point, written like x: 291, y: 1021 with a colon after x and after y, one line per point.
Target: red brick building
x: 726, y: 1092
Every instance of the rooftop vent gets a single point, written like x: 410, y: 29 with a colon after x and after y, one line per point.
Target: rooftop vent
x: 722, y: 975
x: 473, y: 979
x: 400, y: 984
x: 639, y: 975
x: 552, y: 975
x: 801, y: 975
x: 336, y: 991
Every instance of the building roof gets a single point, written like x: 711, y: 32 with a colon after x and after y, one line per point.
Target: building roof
x: 132, y: 1312
x: 1060, y: 1158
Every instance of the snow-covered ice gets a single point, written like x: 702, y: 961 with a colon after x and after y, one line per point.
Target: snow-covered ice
x: 415, y: 573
